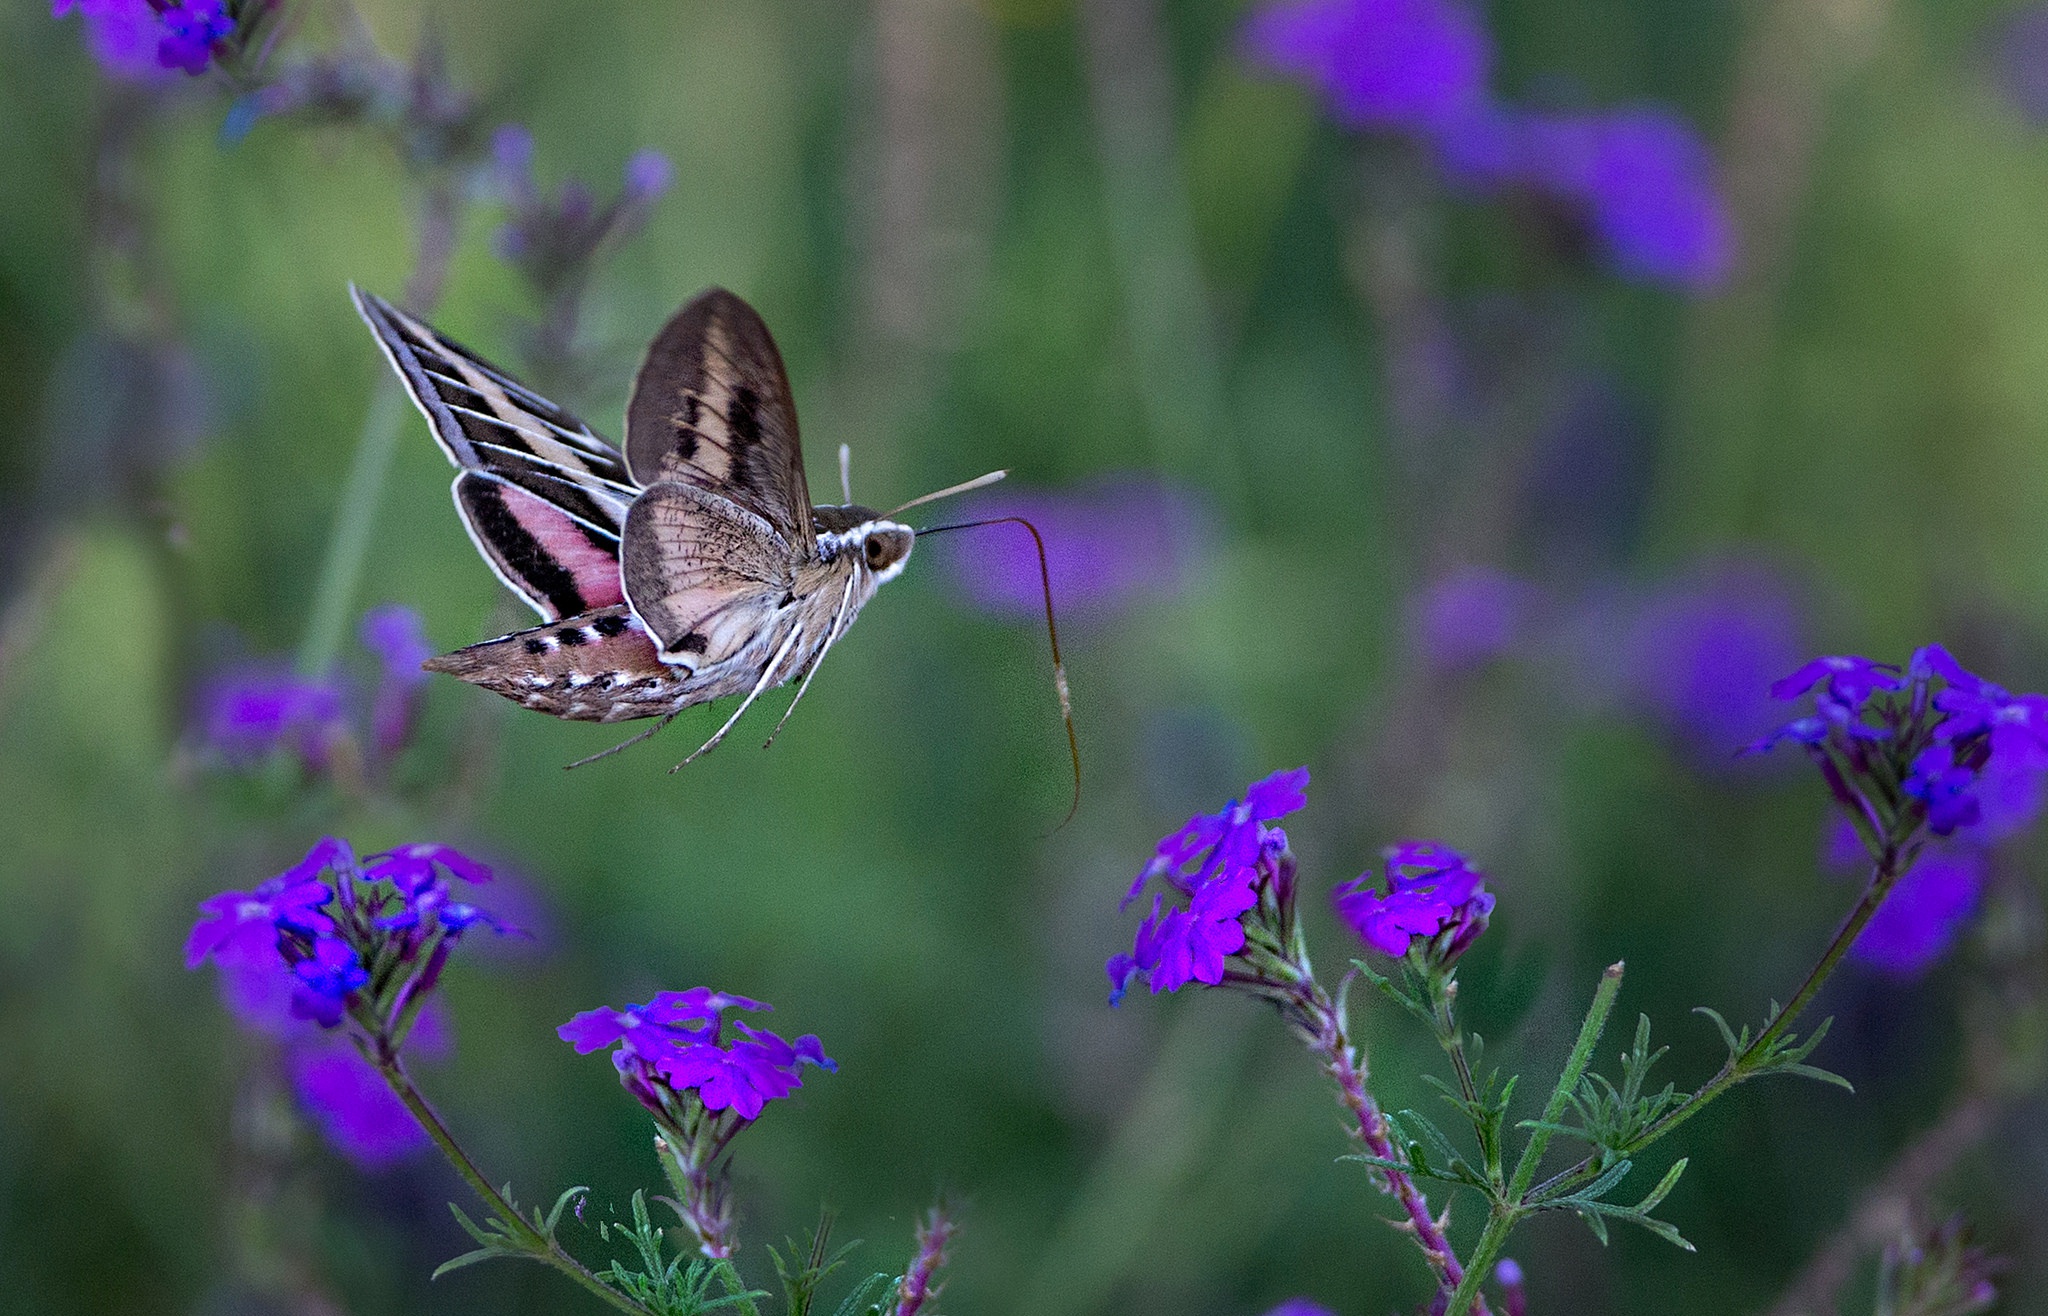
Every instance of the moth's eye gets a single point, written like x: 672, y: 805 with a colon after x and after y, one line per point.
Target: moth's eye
x: 878, y: 553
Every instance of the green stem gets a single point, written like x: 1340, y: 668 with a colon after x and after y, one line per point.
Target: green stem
x: 1737, y: 1068
x: 1507, y: 1212
x: 348, y: 544
x: 538, y: 1245
x: 1883, y: 876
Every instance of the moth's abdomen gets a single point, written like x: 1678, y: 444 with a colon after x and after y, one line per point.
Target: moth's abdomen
x: 597, y: 666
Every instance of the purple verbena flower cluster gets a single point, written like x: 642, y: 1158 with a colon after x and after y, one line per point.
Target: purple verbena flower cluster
x: 1930, y: 764
x: 1639, y: 176
x: 1109, y: 544
x: 701, y: 1086
x: 1435, y: 902
x: 1908, y: 750
x: 672, y: 1046
x: 1223, y: 865
x: 141, y: 39
x: 334, y: 940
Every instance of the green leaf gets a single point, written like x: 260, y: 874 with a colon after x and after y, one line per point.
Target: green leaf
x: 864, y: 1300
x: 466, y: 1259
x: 1735, y: 1044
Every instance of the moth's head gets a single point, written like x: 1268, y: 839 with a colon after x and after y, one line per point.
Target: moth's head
x: 881, y: 546
x: 886, y: 548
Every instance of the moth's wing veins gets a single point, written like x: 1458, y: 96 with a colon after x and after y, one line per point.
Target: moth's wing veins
x: 712, y: 408
x: 703, y: 574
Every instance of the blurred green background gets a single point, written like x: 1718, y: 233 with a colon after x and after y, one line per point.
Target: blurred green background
x: 1071, y: 241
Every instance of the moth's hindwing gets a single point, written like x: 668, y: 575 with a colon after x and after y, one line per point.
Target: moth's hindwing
x: 711, y: 408
x: 557, y: 563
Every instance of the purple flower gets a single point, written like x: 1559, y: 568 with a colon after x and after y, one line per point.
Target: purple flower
x: 754, y: 1069
x: 1925, y: 747
x: 355, y: 1110
x: 123, y: 36
x: 241, y: 927
x: 1407, y: 64
x: 675, y: 1040
x: 1470, y: 617
x: 658, y: 1026
x: 1300, y: 1307
x: 1923, y: 913
x: 1226, y: 842
x: 2020, y: 62
x: 328, y: 976
x: 1433, y: 894
x: 252, y: 713
x: 1850, y: 678
x: 648, y: 175
x: 1701, y: 651
x: 191, y: 31
x: 1109, y: 545
x: 1222, y: 864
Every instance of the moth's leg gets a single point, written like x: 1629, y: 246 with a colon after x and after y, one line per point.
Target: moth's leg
x: 831, y: 638
x: 767, y: 677
x: 666, y: 718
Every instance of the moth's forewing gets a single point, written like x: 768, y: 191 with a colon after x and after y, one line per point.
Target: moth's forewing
x: 711, y: 408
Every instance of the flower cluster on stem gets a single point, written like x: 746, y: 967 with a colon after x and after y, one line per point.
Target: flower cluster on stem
x: 702, y: 1086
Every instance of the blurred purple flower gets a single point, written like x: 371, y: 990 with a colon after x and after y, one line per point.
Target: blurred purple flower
x: 1924, y: 912
x: 2020, y: 61
x: 1433, y: 894
x: 1380, y: 63
x: 1645, y: 179
x: 1108, y: 544
x: 353, y: 1107
x: 1701, y: 651
x: 250, y: 713
x: 123, y: 36
x: 1470, y: 617
x: 192, y: 30
x: 398, y: 637
x: 552, y: 240
x: 1300, y: 1307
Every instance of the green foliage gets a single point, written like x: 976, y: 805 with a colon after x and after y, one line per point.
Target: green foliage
x: 800, y: 1281
x: 1779, y: 1053
x: 499, y: 1239
x: 678, y: 1285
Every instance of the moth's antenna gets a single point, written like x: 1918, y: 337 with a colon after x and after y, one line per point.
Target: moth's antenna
x: 979, y: 482
x: 1052, y: 630
x: 846, y: 473
x: 627, y: 743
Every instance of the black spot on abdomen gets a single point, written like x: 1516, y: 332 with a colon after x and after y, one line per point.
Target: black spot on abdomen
x: 536, y: 645
x: 569, y: 637
x: 609, y: 626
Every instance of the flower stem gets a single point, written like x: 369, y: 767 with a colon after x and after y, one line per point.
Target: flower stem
x: 1884, y: 876
x: 1328, y: 1041
x: 539, y: 1246
x: 349, y: 542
